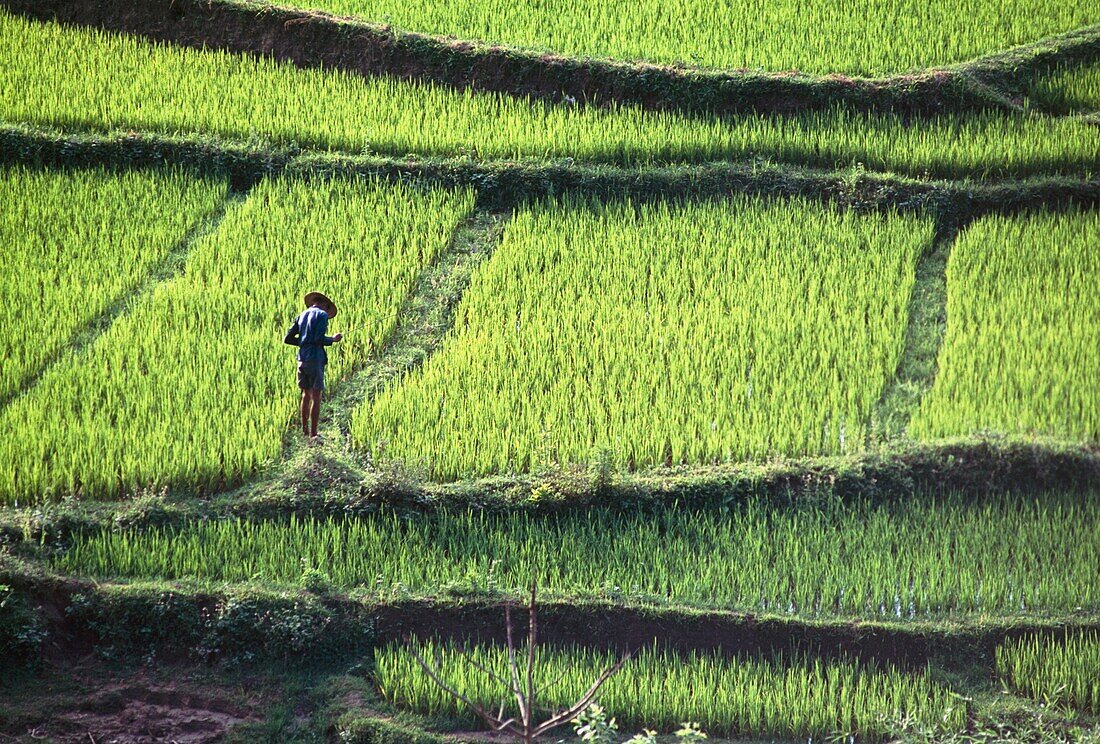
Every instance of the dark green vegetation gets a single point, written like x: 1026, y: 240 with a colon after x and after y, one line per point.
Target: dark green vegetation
x: 1069, y: 90
x: 1013, y: 557
x: 937, y: 590
x: 790, y: 698
x: 1065, y: 672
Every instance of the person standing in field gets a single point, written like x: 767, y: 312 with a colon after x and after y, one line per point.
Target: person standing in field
x: 308, y: 334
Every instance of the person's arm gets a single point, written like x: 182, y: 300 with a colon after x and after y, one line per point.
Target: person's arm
x: 292, y: 336
x: 328, y: 340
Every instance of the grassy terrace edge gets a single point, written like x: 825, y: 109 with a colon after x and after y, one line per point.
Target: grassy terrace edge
x: 344, y: 488
x: 312, y: 39
x: 180, y: 620
x: 502, y: 184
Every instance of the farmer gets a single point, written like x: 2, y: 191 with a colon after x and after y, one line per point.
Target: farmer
x: 308, y: 334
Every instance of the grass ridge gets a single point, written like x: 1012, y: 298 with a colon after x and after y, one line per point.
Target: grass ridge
x: 924, y: 333
x: 422, y: 321
x: 341, y: 486
x: 167, y: 618
x: 503, y: 184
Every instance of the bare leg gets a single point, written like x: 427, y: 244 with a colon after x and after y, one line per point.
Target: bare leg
x: 315, y: 414
x: 305, y: 406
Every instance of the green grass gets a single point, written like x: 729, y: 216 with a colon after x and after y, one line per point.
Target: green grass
x: 1072, y: 90
x: 1061, y: 672
x: 69, y: 78
x: 193, y: 386
x: 860, y: 38
x: 665, y: 334
x: 1020, y: 352
x: 75, y: 244
x: 799, y: 699
x: 916, y: 560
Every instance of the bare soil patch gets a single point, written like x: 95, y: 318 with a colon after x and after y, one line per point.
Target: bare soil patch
x: 139, y: 714
x: 86, y: 701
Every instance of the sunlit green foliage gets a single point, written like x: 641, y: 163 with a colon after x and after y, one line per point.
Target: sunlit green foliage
x: 911, y: 561
x: 659, y: 689
x: 55, y: 76
x: 74, y: 243
x: 667, y: 334
x: 193, y: 385
x: 1059, y: 671
x: 1071, y: 90
x: 861, y: 37
x: 1021, y: 353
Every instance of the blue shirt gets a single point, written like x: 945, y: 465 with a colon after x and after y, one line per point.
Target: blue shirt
x: 308, y: 334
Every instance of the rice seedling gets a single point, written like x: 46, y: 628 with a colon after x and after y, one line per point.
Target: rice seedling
x: 1062, y: 672
x: 1020, y: 352
x: 798, y: 697
x: 1071, y: 90
x: 75, y: 243
x: 664, y: 334
x: 69, y: 78
x: 1005, y: 557
x: 193, y: 385
x: 866, y: 37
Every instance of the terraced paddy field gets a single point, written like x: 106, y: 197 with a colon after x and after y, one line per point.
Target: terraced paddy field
x: 674, y: 358
x: 122, y: 410
x: 867, y: 562
x: 787, y: 700
x: 870, y: 37
x: 1029, y: 290
x: 1071, y: 90
x: 783, y: 383
x: 243, y: 97
x: 78, y: 214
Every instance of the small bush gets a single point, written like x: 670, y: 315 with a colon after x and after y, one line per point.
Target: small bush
x: 21, y: 628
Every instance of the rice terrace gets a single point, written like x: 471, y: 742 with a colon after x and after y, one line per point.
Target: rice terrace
x: 384, y: 371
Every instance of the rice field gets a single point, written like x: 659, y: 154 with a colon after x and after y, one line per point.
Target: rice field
x: 867, y: 37
x: 1020, y: 352
x: 1007, y: 557
x: 663, y: 334
x: 75, y: 243
x: 656, y: 689
x: 143, y: 349
x: 193, y: 385
x: 1062, y: 672
x: 85, y: 79
x: 1070, y: 90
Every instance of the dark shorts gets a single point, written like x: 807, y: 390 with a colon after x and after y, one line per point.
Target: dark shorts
x: 311, y: 376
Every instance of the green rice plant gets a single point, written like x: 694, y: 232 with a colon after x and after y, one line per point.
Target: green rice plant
x: 75, y: 243
x: 865, y: 37
x: 915, y: 560
x: 1057, y: 671
x: 1076, y: 89
x: 193, y: 385
x: 70, y: 78
x: 796, y: 698
x: 1020, y: 353
x: 665, y: 334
